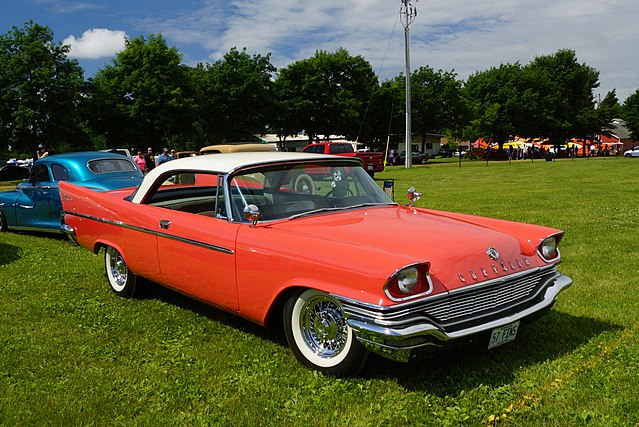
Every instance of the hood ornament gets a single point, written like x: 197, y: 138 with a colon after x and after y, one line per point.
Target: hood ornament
x: 413, y: 196
x: 492, y: 253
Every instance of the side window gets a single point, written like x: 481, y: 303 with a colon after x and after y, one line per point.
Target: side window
x: 195, y: 193
x: 248, y: 189
x: 319, y: 149
x: 41, y: 173
x: 60, y: 173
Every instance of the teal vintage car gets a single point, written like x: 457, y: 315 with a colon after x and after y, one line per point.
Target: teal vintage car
x: 35, y: 203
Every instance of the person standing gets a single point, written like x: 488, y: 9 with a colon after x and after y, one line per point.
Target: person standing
x: 164, y: 157
x: 149, y: 159
x: 42, y: 151
x: 140, y: 161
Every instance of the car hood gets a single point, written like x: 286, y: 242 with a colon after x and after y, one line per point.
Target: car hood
x: 455, y: 245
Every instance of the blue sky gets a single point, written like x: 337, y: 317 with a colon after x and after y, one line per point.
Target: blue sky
x: 462, y: 35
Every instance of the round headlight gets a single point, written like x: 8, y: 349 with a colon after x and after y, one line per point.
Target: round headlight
x: 407, y: 280
x: 549, y: 248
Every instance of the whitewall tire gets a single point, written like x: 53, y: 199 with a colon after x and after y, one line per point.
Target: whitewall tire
x: 319, y: 336
x: 121, y: 280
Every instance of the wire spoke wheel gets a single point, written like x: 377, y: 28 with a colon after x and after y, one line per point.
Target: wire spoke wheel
x: 323, y: 327
x: 317, y: 331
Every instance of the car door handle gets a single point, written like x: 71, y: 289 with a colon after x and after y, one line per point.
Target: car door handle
x: 165, y: 223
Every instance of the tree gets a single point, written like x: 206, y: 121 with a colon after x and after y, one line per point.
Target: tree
x: 504, y: 102
x: 144, y: 98
x: 567, y: 90
x: 608, y: 110
x: 236, y: 96
x: 437, y: 102
x: 384, y: 115
x: 40, y: 92
x: 630, y: 114
x: 325, y: 94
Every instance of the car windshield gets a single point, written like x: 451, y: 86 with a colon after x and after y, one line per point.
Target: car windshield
x: 111, y: 165
x: 288, y: 191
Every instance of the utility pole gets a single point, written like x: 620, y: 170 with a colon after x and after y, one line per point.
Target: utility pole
x: 407, y: 16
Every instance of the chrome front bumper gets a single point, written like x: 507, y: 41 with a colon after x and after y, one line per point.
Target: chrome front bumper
x: 396, y: 331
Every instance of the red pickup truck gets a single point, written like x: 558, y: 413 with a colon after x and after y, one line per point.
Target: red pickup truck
x: 372, y: 161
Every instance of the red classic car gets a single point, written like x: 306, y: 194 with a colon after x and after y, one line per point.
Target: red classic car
x: 295, y: 235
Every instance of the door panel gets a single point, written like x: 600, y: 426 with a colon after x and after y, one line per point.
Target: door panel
x: 197, y: 256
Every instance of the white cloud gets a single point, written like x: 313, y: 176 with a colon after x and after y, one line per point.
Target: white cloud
x: 467, y: 37
x: 96, y: 43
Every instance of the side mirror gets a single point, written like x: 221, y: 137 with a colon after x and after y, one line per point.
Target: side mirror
x: 413, y: 196
x: 252, y: 213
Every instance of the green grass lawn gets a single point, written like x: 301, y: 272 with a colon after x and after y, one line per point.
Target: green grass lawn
x: 73, y: 353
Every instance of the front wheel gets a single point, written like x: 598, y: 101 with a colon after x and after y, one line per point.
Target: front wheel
x: 319, y: 336
x: 121, y: 280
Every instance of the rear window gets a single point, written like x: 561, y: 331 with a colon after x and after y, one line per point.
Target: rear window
x: 319, y: 149
x: 111, y: 165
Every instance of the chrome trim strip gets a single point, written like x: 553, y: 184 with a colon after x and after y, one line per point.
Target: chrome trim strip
x: 415, y: 305
x: 153, y: 232
x: 38, y: 229
x: 393, y: 341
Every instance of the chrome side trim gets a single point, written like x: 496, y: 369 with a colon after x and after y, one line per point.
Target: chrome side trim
x: 38, y: 229
x: 153, y: 232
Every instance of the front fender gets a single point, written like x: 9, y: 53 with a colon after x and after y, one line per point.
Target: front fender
x: 8, y: 202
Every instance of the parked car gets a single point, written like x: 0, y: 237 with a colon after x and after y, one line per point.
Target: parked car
x: 417, y: 158
x: 13, y: 173
x: 446, y: 152
x: 188, y: 153
x: 35, y: 204
x: 633, y: 152
x: 121, y: 151
x: 259, y: 244
x: 237, y: 147
x: 372, y: 161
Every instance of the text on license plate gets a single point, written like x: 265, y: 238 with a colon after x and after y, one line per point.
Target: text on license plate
x: 503, y: 335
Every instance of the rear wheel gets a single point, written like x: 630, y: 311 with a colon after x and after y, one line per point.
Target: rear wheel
x: 319, y: 336
x: 121, y: 280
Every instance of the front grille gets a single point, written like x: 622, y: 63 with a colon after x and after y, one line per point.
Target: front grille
x: 486, y: 298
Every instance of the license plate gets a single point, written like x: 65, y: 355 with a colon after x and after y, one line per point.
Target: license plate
x: 503, y: 335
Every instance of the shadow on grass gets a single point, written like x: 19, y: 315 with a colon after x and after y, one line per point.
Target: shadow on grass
x: 153, y: 291
x: 9, y: 253
x: 449, y: 371
x: 445, y: 371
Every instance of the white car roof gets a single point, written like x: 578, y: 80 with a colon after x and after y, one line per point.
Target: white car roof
x: 222, y: 163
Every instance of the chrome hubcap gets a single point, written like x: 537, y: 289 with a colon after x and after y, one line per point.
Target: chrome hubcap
x: 323, y: 327
x: 119, y: 270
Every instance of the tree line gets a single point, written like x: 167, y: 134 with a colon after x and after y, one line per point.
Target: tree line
x: 146, y: 97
